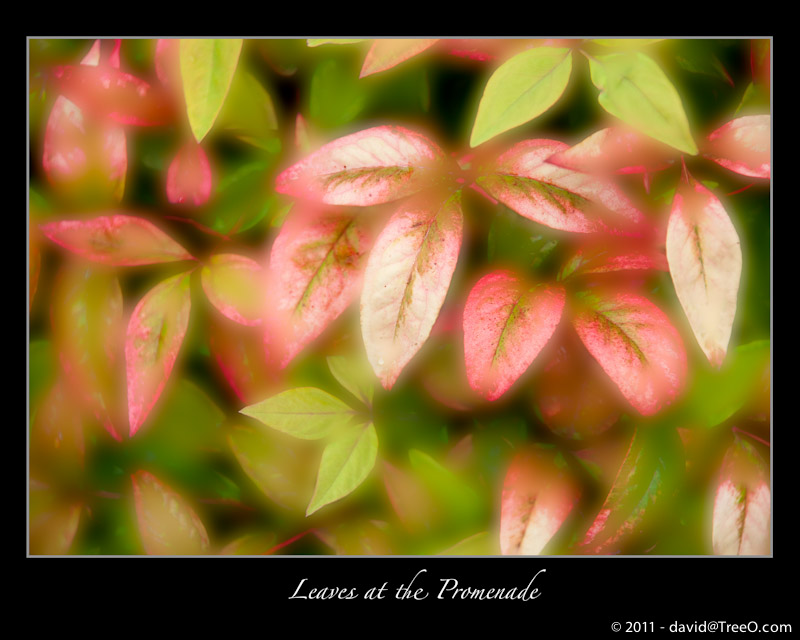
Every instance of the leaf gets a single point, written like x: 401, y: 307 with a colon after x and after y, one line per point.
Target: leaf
x: 637, y: 346
x: 155, y: 332
x: 742, y: 145
x: 559, y: 198
x: 521, y: 89
x: 634, y: 89
x: 207, y: 68
x: 359, y: 537
x: 336, y: 97
x: 280, y: 469
x: 352, y: 377
x: 346, y: 463
x: 189, y: 176
x: 167, y: 524
x: 538, y: 496
x: 626, y: 43
x: 741, y: 521
x: 480, y: 544
x: 615, y: 150
x: 386, y: 53
x: 234, y: 285
x: 248, y: 112
x: 514, y: 241
x: 117, y: 240
x: 88, y: 330
x: 604, y: 257
x: 305, y: 413
x: 369, y: 167
x: 315, y: 42
x: 243, y: 197
x: 53, y: 523
x: 56, y: 442
x: 507, y: 322
x: 316, y: 267
x: 406, y: 280
x: 645, y: 482
x: 412, y: 503
x: 705, y: 262
x: 103, y: 91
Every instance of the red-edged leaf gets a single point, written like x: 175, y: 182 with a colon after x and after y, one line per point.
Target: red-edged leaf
x: 189, y: 178
x: 316, y: 269
x: 705, y: 261
x: 742, y: 145
x: 118, y: 240
x: 560, y: 198
x: 741, y: 523
x: 105, y: 91
x: 155, y: 333
x: 538, y: 496
x: 596, y: 258
x: 387, y: 53
x: 637, y: 346
x: 406, y: 281
x: 615, y: 150
x: 369, y: 167
x: 507, y: 322
x: 167, y: 524
x: 234, y: 285
x: 88, y: 330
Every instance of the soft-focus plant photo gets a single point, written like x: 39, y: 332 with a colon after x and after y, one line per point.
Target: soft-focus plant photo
x: 399, y: 297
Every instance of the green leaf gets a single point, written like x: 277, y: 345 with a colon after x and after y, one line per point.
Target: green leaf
x: 315, y: 42
x: 243, y: 198
x: 626, y: 43
x: 515, y: 241
x: 207, y: 68
x: 522, y: 88
x: 353, y: 377
x: 306, y: 413
x: 480, y: 544
x: 458, y: 500
x: 336, y: 96
x: 716, y: 395
x: 634, y: 89
x: 249, y: 112
x: 346, y: 463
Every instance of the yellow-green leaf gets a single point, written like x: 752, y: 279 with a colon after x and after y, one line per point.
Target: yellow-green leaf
x: 346, y: 463
x: 522, y: 88
x: 207, y: 68
x: 315, y: 42
x: 626, y: 43
x: 634, y: 89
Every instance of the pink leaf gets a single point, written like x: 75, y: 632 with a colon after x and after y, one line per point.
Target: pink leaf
x: 741, y: 522
x: 386, y: 53
x: 234, y: 285
x: 105, y: 91
x: 155, y: 333
x: 538, y: 496
x: 316, y: 268
x: 742, y: 145
x: 369, y: 167
x: 118, y: 240
x: 166, y: 61
x: 637, y: 346
x: 167, y: 524
x: 507, y: 322
x: 189, y: 176
x: 705, y: 261
x: 406, y: 281
x: 560, y: 198
x: 615, y: 150
x: 597, y: 257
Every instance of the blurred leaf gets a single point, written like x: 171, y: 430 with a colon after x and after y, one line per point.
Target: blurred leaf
x: 626, y: 43
x: 53, y: 523
x: 481, y: 544
x: 346, y: 463
x: 315, y: 42
x: 605, y: 256
x: 515, y: 241
x: 251, y: 544
x: 207, y: 68
x: 189, y: 176
x: 42, y: 367
x: 411, y: 501
x: 234, y: 285
x: 742, y: 145
x: 249, y: 112
x: 522, y: 88
x: 56, y: 444
x: 357, y: 538
x: 167, y: 524
x: 634, y: 89
x: 386, y: 53
x: 336, y: 97
x: 356, y: 379
x: 306, y: 413
x: 243, y: 197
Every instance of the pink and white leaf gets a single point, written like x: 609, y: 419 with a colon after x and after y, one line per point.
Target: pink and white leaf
x: 537, y: 498
x: 705, y: 262
x: 407, y: 278
x: 154, y: 337
x: 117, y: 239
x: 635, y: 344
x: 189, y: 178
x: 167, y: 524
x: 507, y: 322
x: 742, y: 145
x: 524, y: 180
x: 234, y: 284
x: 365, y: 168
x: 316, y: 270
x: 386, y: 53
x: 742, y: 506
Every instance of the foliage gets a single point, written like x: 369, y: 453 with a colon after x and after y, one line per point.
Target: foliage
x: 400, y: 297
